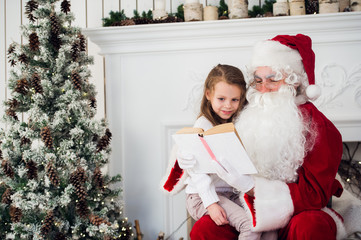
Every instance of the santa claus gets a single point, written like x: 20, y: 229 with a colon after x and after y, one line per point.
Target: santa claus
x: 295, y: 148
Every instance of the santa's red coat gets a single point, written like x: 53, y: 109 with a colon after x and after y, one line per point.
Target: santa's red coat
x: 276, y: 202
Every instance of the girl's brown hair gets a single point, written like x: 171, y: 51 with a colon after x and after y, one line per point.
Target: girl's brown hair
x: 230, y: 75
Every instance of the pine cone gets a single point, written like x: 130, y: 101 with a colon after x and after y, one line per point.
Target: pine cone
x: 7, y: 168
x: 22, y: 86
x: 116, y: 23
x: 311, y: 6
x: 12, y: 62
x: 31, y: 6
x: 75, y: 51
x: 23, y: 58
x: 80, y: 191
x: 11, y: 49
x: 12, y: 114
x: 34, y: 41
x: 15, y: 214
x: 36, y: 83
x: 96, y: 220
x: 142, y: 20
x: 78, y: 178
x: 47, y: 223
x: 81, y: 175
x: 32, y: 170
x: 13, y: 103
x: 54, y: 23
x: 65, y: 6
x: 82, y: 42
x: 31, y: 17
x: 95, y: 138
x: 52, y: 174
x: 6, y: 197
x: 104, y: 141
x: 46, y: 137
x: 60, y: 236
x: 98, y: 178
x: 93, y: 102
x: 108, y: 133
x: 75, y: 77
x: 55, y: 41
x: 127, y: 22
x: 24, y: 141
x: 82, y: 208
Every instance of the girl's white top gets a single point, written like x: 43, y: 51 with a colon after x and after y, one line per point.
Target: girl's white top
x: 206, y: 185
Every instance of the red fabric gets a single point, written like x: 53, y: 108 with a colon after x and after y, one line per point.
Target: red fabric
x: 249, y: 201
x: 303, y: 44
x: 316, y: 177
x: 206, y: 229
x: 173, y: 178
x: 309, y: 225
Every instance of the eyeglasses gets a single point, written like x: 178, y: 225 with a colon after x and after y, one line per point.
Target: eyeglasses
x: 269, y: 84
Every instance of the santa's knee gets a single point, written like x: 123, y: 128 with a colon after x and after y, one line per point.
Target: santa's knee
x: 311, y: 225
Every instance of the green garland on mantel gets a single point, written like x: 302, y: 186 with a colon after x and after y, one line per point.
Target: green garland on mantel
x: 118, y: 18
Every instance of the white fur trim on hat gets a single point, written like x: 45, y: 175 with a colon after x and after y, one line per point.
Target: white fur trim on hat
x: 274, y: 54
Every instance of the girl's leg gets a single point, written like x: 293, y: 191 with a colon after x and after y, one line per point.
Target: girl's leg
x: 195, y: 206
x: 237, y: 217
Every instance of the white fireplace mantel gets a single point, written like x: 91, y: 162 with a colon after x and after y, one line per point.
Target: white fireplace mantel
x: 154, y: 76
x: 324, y: 28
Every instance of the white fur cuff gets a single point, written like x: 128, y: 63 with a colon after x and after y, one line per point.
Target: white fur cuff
x: 273, y: 204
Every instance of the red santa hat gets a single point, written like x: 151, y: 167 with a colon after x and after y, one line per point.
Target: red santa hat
x: 289, y: 51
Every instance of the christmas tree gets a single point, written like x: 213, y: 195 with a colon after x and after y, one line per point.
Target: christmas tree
x: 52, y: 150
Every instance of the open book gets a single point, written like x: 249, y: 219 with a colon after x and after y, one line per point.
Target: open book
x: 219, y: 142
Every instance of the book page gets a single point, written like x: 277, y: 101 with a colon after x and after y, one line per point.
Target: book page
x: 227, y: 146
x: 191, y: 143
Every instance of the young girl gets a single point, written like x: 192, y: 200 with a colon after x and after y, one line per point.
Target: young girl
x: 223, y: 98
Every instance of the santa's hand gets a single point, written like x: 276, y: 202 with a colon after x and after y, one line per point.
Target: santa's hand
x: 229, y: 174
x: 186, y: 160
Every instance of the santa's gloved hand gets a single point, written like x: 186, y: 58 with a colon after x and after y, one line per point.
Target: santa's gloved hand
x: 229, y: 174
x: 186, y: 160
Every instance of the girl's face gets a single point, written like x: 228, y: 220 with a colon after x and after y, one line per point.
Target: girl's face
x: 224, y: 99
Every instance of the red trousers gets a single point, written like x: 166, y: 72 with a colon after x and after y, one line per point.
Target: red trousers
x: 306, y: 225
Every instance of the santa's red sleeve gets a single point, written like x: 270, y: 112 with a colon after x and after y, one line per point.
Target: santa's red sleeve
x: 275, y: 202
x: 174, y: 179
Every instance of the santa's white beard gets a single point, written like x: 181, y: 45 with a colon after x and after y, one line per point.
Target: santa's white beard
x: 273, y: 133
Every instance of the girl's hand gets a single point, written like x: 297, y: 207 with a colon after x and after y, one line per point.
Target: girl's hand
x: 217, y: 213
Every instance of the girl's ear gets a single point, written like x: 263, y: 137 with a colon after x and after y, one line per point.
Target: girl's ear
x: 208, y: 94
